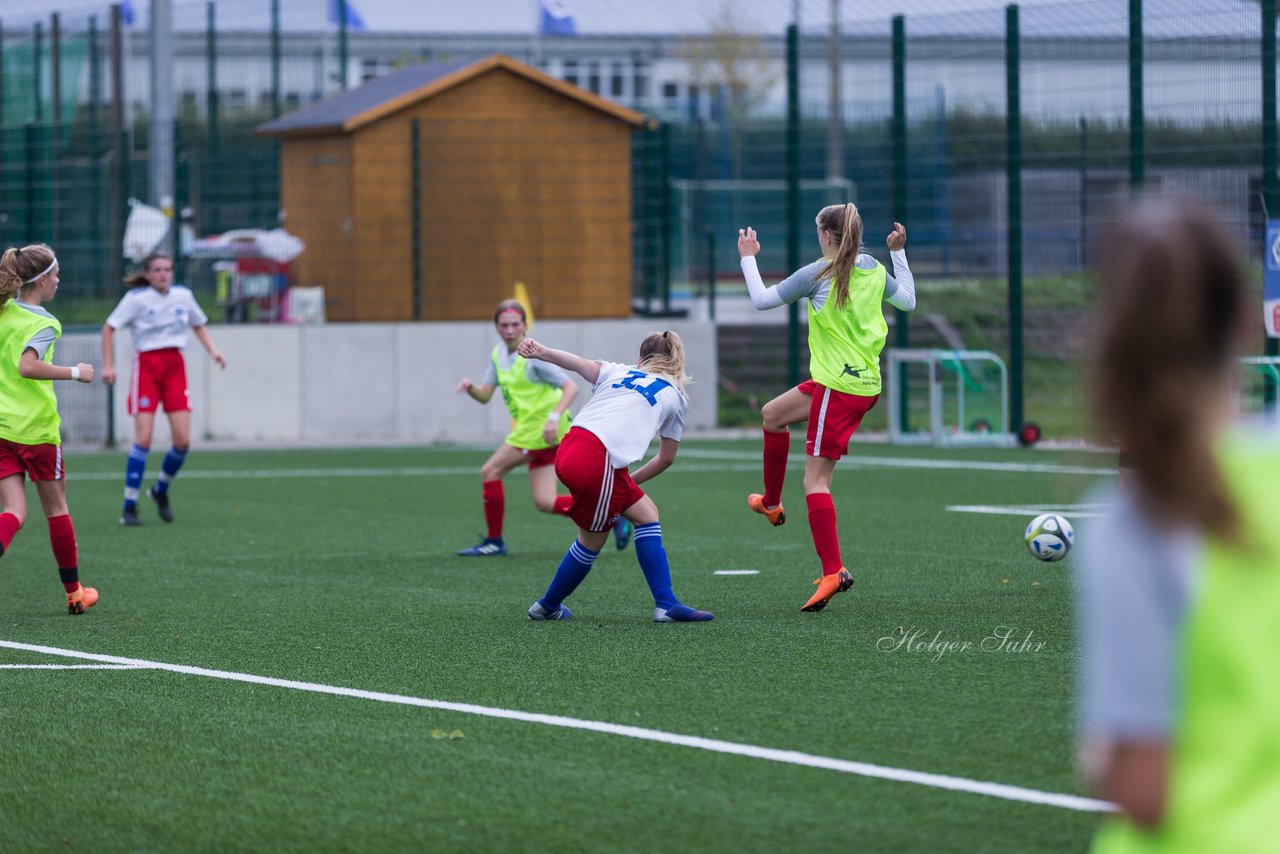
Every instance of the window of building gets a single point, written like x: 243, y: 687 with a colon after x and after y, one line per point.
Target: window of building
x: 571, y: 71
x: 617, y: 83
x: 639, y: 81
x: 593, y: 77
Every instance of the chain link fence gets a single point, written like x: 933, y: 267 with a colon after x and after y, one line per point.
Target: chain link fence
x: 439, y: 225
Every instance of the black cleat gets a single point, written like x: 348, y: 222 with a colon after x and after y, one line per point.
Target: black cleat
x: 162, y: 503
x: 129, y: 517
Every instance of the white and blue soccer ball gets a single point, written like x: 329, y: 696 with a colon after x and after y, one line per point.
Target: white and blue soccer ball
x: 1049, y: 537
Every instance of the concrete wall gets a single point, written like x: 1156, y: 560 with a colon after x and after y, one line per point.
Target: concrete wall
x: 345, y: 383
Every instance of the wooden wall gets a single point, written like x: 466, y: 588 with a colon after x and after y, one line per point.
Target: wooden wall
x: 520, y: 184
x: 315, y: 190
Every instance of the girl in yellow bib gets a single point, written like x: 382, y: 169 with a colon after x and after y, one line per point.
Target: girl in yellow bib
x: 845, y: 290
x: 30, y: 434
x: 538, y: 396
x: 1178, y: 584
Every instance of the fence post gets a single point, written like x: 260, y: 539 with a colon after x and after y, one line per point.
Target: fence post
x: 1270, y: 181
x: 54, y: 131
x: 901, y: 332
x: 37, y: 60
x: 29, y: 180
x: 793, y: 196
x: 711, y: 273
x: 664, y: 245
x: 275, y: 58
x: 1137, y: 143
x: 342, y: 43
x: 1, y: 74
x: 415, y: 159
x: 211, y: 81
x: 1013, y: 112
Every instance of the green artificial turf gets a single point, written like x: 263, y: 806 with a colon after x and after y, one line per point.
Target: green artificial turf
x: 305, y: 566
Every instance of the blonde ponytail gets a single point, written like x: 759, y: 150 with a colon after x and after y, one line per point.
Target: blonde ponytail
x: 844, y: 224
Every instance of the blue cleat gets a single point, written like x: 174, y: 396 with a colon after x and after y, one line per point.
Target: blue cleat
x: 537, y: 611
x: 678, y: 613
x: 622, y: 531
x: 488, y: 547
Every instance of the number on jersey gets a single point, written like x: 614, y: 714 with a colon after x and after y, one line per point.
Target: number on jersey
x: 648, y: 391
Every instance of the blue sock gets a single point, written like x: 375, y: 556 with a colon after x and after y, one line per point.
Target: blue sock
x: 173, y: 461
x: 134, y: 468
x: 653, y: 561
x: 575, y: 566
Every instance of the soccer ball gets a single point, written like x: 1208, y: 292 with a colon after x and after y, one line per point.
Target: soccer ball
x: 1049, y: 537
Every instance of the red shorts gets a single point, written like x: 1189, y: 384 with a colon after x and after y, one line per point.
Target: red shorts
x: 159, y: 379
x: 833, y: 416
x: 40, y: 462
x: 540, y: 457
x: 599, y: 491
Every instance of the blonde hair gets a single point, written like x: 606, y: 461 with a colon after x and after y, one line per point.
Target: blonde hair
x: 19, y: 265
x: 662, y: 353
x: 845, y: 225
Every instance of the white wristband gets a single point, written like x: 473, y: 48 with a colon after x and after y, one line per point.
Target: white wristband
x: 553, y: 418
x: 75, y: 372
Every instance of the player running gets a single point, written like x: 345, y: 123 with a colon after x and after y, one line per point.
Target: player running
x: 160, y: 314
x: 628, y: 406
x: 30, y: 438
x: 847, y: 330
x: 538, y: 396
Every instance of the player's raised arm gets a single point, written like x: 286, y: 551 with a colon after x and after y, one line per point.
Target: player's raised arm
x: 588, y: 368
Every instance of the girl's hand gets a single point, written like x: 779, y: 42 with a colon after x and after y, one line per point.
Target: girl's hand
x: 109, y: 376
x: 550, y: 433
x: 464, y: 386
x: 218, y: 359
x: 747, y: 242
x: 531, y: 349
x: 86, y: 372
x: 897, y: 238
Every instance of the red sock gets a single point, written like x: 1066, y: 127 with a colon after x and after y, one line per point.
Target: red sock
x: 776, y: 447
x: 495, y: 505
x: 62, y: 538
x: 9, y: 526
x: 563, y: 503
x: 822, y: 524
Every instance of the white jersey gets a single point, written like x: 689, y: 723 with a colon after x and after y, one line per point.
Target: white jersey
x: 159, y: 321
x: 627, y: 407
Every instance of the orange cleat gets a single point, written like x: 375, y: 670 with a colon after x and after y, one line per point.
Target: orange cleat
x: 828, y: 586
x: 777, y: 516
x: 82, y: 600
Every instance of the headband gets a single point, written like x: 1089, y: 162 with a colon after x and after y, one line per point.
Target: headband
x: 47, y: 271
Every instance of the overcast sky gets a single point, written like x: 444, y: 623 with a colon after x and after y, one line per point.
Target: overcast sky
x: 1190, y: 18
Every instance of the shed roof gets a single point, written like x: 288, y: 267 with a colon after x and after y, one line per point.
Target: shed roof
x: 384, y: 95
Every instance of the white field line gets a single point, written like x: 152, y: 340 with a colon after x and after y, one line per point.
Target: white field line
x: 1017, y: 510
x: 737, y: 572
x: 72, y: 667
x: 876, y: 461
x: 791, y: 757
x: 732, y: 461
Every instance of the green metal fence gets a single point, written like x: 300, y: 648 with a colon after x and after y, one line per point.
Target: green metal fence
x: 1003, y: 138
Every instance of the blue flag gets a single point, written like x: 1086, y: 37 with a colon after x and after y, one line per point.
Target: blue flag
x: 127, y: 14
x: 355, y: 23
x: 555, y: 19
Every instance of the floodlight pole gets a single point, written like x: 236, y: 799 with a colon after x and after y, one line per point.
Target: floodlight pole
x: 160, y: 139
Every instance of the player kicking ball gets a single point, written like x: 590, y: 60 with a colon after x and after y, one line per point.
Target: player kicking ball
x: 629, y: 405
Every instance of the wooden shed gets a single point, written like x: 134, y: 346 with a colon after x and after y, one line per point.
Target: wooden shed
x: 428, y: 193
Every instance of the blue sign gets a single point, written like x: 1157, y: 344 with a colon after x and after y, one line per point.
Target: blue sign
x: 1271, y: 279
